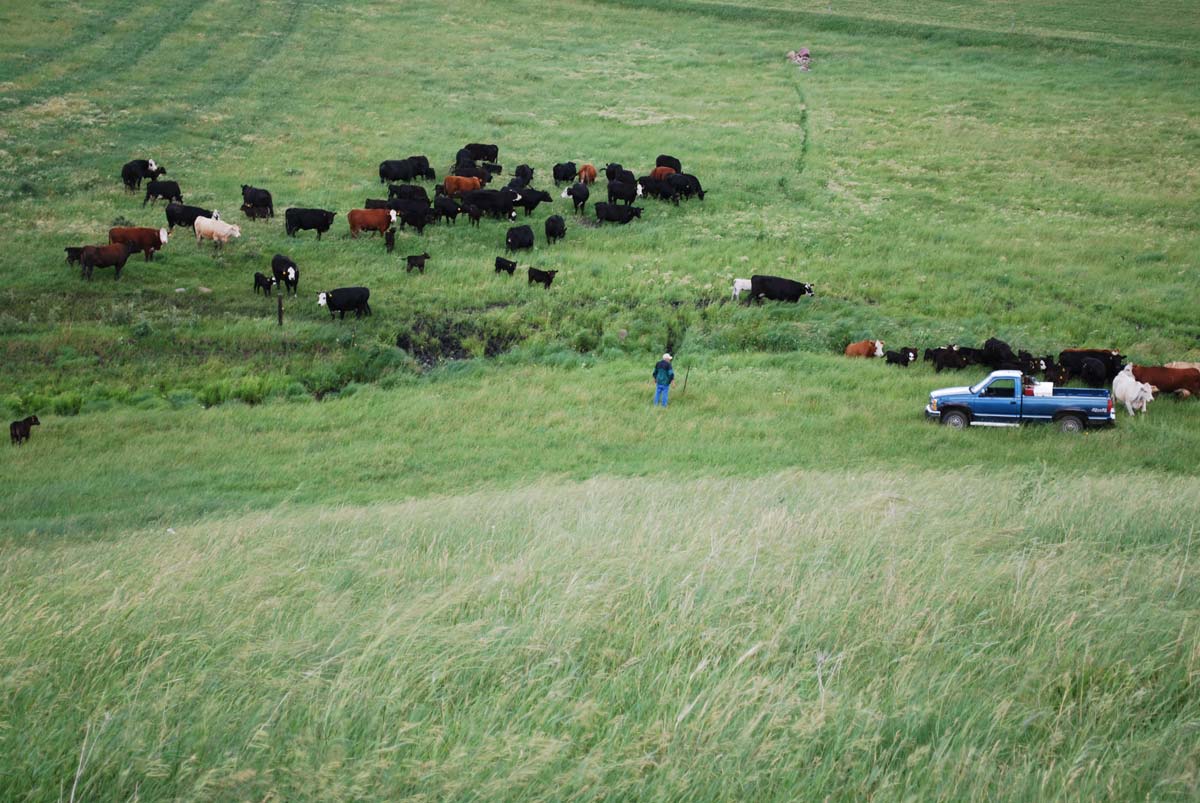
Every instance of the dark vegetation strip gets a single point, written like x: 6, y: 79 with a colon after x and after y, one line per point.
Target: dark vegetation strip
x: 778, y: 18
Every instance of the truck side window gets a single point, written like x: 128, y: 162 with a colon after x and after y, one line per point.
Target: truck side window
x: 1001, y: 388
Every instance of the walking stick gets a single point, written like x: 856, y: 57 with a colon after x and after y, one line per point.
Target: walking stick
x: 683, y: 390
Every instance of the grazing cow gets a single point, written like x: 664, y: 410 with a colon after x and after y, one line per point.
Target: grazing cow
x: 218, y: 231
x: 1112, y: 360
x: 180, y: 215
x: 133, y: 172
x: 264, y: 283
x: 1169, y: 380
x: 624, y: 176
x: 73, y: 254
x: 257, y: 212
x: 286, y: 271
x: 542, y: 277
x: 493, y: 169
x: 165, y: 190
x: 556, y: 229
x: 104, y: 256
x: 616, y: 214
x: 494, y: 203
x: 661, y: 172
x: 253, y: 196
x: 474, y: 213
x: 464, y: 158
x: 578, y: 193
x: 503, y: 264
x: 686, y: 185
x: 620, y: 191
x: 664, y: 160
x: 612, y: 170
x: 564, y: 171
x: 865, y: 348
x: 300, y: 219
x: 517, y: 183
x: 1091, y: 371
x: 524, y: 172
x: 417, y: 261
x: 408, y: 192
x: 18, y: 431
x: 346, y: 299
x: 529, y: 200
x: 518, y: 238
x: 587, y: 174
x: 902, y: 357
x: 997, y: 353
x: 776, y: 288
x: 446, y: 209
x: 142, y: 239
x: 457, y: 185
x: 657, y: 188
x: 1134, y: 394
x: 418, y: 218
x: 420, y: 167
x: 473, y: 172
x: 484, y: 153
x: 389, y: 240
x: 377, y: 220
x: 400, y: 170
x: 738, y: 286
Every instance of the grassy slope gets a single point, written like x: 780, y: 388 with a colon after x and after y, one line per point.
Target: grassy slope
x: 1009, y: 613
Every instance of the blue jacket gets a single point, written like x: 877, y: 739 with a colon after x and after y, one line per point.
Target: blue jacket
x: 664, y: 374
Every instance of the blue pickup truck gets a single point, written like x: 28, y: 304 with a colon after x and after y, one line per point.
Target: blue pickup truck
x: 1005, y: 399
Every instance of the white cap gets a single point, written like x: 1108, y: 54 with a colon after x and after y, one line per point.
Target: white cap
x: 668, y: 357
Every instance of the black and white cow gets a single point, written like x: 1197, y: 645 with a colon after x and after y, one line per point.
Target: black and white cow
x: 616, y: 214
x: 556, y: 229
x: 518, y: 238
x: 579, y: 194
x: 777, y: 288
x: 301, y: 219
x: 287, y: 272
x: 902, y: 357
x: 564, y: 171
x: 346, y: 299
x: 133, y: 172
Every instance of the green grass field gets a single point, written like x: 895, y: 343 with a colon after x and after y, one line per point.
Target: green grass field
x: 247, y: 562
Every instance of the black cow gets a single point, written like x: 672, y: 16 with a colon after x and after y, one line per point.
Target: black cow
x: 257, y: 197
x: 418, y: 219
x: 946, y: 357
x: 416, y: 261
x: 1093, y: 373
x: 616, y: 214
x: 620, y: 191
x: 776, y: 288
x: 579, y: 194
x: 517, y: 184
x: 997, y: 354
x: 257, y: 212
x: 408, y: 192
x: 686, y: 185
x: 133, y: 172
x: 503, y: 264
x: 18, y: 431
x: 611, y: 170
x: 420, y: 167
x: 446, y: 209
x: 346, y: 299
x: 564, y: 171
x: 902, y: 357
x: 1058, y: 374
x: 524, y: 172
x: 264, y: 283
x: 518, y: 238
x: 624, y: 176
x: 287, y: 272
x: 181, y: 215
x: 464, y: 158
x: 530, y: 198
x: 377, y: 203
x: 484, y: 153
x: 542, y: 277
x: 1112, y: 360
x: 166, y: 190
x: 73, y: 254
x: 389, y: 240
x: 473, y: 172
x: 658, y: 188
x: 556, y: 229
x: 474, y: 213
x: 664, y: 160
x: 298, y: 219
x: 493, y: 203
x: 399, y: 170
x: 493, y: 168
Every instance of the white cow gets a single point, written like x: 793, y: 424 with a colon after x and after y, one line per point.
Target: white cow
x: 1134, y: 394
x: 738, y: 286
x: 216, y: 230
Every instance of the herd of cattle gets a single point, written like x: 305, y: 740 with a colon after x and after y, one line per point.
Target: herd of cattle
x: 1134, y: 385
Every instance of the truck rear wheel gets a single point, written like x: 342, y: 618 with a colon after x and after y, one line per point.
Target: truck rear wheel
x: 1070, y: 423
x: 955, y: 419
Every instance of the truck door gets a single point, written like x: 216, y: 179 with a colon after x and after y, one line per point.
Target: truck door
x: 999, y: 402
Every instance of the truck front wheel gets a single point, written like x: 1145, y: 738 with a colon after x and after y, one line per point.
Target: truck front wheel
x: 955, y: 419
x: 1070, y: 423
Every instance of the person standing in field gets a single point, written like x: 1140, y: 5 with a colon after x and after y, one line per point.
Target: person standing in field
x: 664, y: 377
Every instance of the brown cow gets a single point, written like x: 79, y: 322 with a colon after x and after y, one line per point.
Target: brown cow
x: 457, y: 185
x: 587, y: 174
x: 104, y: 256
x: 142, y: 239
x: 379, y: 220
x: 865, y: 348
x: 660, y: 173
x: 1169, y: 380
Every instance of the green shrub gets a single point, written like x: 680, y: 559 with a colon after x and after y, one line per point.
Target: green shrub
x: 69, y: 403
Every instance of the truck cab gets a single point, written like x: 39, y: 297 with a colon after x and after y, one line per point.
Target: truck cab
x: 1008, y: 399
